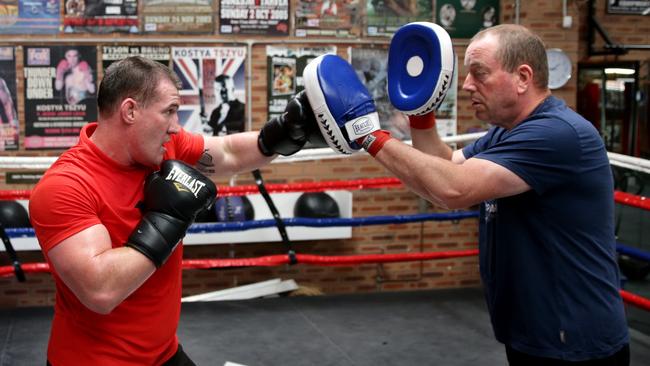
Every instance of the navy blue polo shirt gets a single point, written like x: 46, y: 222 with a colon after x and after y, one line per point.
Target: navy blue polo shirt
x: 547, y: 256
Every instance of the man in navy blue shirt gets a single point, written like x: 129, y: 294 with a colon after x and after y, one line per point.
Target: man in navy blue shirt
x: 542, y: 176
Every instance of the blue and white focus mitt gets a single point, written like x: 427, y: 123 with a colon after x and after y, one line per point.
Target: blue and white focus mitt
x: 420, y: 67
x: 344, y: 110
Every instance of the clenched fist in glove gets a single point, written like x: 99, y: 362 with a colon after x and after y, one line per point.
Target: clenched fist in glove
x: 289, y: 132
x: 173, y: 196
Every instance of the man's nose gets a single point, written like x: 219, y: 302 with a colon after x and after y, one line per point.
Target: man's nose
x: 468, y: 84
x: 175, y: 126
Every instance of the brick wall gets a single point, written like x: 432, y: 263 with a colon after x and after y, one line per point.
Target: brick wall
x: 544, y: 17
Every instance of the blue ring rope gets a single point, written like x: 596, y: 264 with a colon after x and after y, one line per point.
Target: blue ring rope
x: 299, y: 221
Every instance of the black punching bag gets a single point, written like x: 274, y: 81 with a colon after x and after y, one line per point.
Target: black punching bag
x: 316, y: 205
x: 236, y: 208
x: 13, y: 214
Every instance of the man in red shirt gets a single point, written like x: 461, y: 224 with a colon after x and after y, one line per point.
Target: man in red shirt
x: 117, y: 269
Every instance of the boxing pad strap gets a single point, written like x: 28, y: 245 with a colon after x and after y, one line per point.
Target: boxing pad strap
x: 375, y: 141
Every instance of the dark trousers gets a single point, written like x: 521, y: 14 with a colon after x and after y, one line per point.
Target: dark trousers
x: 180, y: 358
x: 516, y: 358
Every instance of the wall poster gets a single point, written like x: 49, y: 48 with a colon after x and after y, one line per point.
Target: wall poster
x: 60, y: 90
x: 9, y: 127
x: 213, y: 92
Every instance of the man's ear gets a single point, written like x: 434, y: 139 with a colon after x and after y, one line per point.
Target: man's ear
x: 524, y: 78
x: 128, y: 110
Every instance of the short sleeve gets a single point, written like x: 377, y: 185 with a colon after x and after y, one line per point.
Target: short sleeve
x: 60, y: 207
x: 544, y: 153
x: 480, y: 144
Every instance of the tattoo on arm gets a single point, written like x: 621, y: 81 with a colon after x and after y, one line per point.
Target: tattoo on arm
x: 205, y: 163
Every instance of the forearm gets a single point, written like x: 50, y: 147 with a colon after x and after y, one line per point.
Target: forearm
x: 232, y: 154
x: 429, y: 142
x: 114, y: 275
x: 435, y: 179
x: 100, y: 276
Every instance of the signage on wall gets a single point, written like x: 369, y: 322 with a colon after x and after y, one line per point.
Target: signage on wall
x: 327, y: 18
x: 628, y: 7
x: 266, y: 17
x: 213, y: 92
x: 99, y: 16
x: 23, y: 177
x: 111, y: 54
x: 464, y: 18
x: 9, y: 128
x: 383, y: 18
x: 177, y: 16
x: 60, y: 90
x: 284, y: 78
x: 29, y: 17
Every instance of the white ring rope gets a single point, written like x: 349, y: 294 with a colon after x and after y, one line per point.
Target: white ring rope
x: 44, y: 162
x: 629, y: 162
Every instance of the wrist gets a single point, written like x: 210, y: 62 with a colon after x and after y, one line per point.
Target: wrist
x: 422, y: 122
x: 375, y: 141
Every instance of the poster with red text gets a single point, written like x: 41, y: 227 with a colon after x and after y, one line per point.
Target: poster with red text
x: 60, y: 94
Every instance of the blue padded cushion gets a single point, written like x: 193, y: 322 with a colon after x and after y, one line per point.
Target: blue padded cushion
x: 408, y: 93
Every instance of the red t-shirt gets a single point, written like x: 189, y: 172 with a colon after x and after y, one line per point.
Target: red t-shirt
x: 84, y: 187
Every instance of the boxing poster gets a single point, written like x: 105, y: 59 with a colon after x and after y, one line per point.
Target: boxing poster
x: 370, y: 65
x: 8, y: 111
x: 213, y: 92
x: 464, y: 18
x: 265, y: 17
x: 111, y: 54
x: 29, y: 16
x: 60, y: 91
x: 285, y: 67
x: 100, y: 16
x: 384, y: 17
x: 340, y: 18
x: 177, y: 16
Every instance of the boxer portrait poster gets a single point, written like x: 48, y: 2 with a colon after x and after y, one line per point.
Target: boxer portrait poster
x: 384, y: 17
x: 60, y: 90
x: 100, y: 16
x: 177, y: 16
x: 284, y: 76
x: 340, y: 18
x: 282, y: 62
x: 111, y: 54
x: 8, y: 110
x: 213, y: 91
x: 29, y: 16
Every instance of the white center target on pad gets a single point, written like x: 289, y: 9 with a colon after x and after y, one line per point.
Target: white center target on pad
x: 414, y: 66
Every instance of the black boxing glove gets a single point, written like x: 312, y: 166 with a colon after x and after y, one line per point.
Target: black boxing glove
x: 173, y: 196
x: 289, y: 132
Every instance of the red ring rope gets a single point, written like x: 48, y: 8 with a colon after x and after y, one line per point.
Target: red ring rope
x: 281, y: 259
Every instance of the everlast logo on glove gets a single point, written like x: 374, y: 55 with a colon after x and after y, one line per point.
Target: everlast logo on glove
x: 185, y: 182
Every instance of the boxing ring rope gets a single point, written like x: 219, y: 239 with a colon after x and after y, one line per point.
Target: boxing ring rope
x: 21, y: 162
x: 283, y: 259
